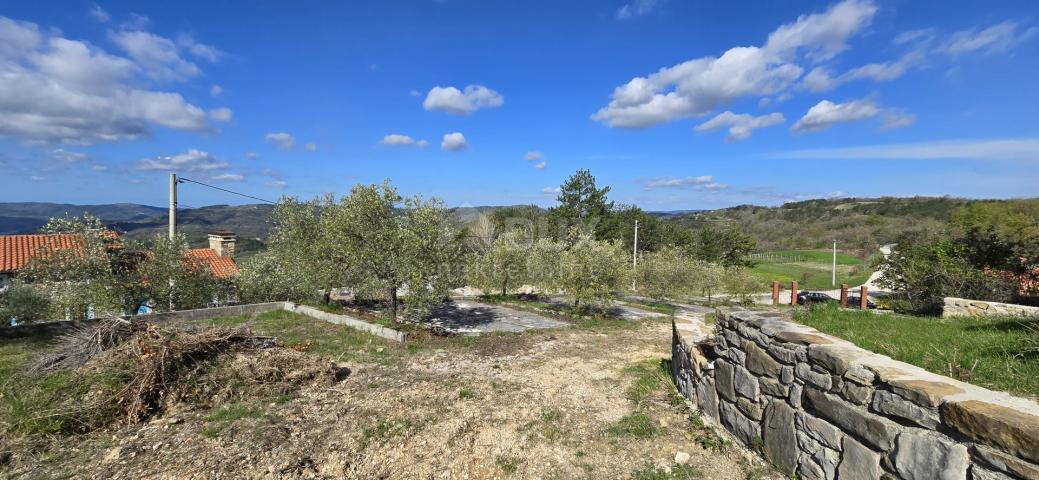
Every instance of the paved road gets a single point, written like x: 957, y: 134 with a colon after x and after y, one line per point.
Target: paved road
x: 473, y: 318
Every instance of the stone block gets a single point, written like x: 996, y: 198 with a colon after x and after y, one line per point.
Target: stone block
x: 804, y: 337
x: 784, y: 355
x: 707, y: 398
x: 736, y: 355
x: 745, y: 429
x: 723, y: 380
x: 771, y: 386
x: 980, y: 473
x: 855, y: 393
x: 827, y: 460
x: 858, y: 462
x: 926, y: 456
x: 860, y: 375
x: 822, y: 431
x: 1004, y: 462
x: 895, y: 406
x: 745, y: 383
x: 786, y: 375
x: 835, y: 359
x: 777, y: 432
x: 1010, y: 429
x: 795, y: 395
x: 874, y: 430
x: 760, y: 362
x: 749, y: 408
x: 809, y: 470
x: 926, y: 393
x: 822, y: 381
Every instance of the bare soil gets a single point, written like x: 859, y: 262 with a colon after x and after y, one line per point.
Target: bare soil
x: 572, y: 403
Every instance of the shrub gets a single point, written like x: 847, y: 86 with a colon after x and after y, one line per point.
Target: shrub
x: 24, y: 303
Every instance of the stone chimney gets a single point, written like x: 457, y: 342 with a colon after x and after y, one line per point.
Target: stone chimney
x: 222, y: 243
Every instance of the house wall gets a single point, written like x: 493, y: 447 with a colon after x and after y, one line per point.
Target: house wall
x: 821, y: 408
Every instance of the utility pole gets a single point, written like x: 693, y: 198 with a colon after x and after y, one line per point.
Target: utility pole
x: 635, y: 254
x: 834, y: 276
x: 173, y: 205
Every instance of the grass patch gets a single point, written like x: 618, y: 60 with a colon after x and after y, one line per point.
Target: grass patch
x: 508, y: 464
x: 655, y: 306
x: 548, y: 425
x: 995, y: 353
x: 651, y: 378
x: 811, y: 269
x: 386, y: 429
x: 225, y: 416
x: 635, y: 425
x: 675, y: 472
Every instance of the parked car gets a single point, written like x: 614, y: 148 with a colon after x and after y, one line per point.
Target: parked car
x: 807, y: 298
x: 853, y: 302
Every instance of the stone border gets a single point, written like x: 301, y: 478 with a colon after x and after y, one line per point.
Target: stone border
x: 56, y: 328
x: 822, y: 408
x: 377, y: 330
x: 958, y: 307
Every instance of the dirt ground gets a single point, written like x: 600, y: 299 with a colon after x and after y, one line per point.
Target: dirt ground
x: 570, y: 403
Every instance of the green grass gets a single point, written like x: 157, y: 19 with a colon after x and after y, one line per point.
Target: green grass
x: 225, y: 416
x: 675, y: 472
x: 382, y: 431
x: 634, y: 424
x: 995, y: 353
x: 587, y: 317
x: 508, y: 464
x: 813, y: 272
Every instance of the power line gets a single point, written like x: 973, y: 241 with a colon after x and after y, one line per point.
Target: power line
x: 182, y: 179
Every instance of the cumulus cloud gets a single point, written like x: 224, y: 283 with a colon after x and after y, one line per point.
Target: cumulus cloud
x: 695, y: 87
x: 222, y: 114
x: 56, y: 90
x: 703, y: 182
x: 998, y: 38
x: 282, y: 140
x: 541, y: 165
x: 199, y: 50
x: 279, y: 184
x: 216, y: 90
x: 251, y: 155
x: 404, y: 140
x: 158, y: 56
x: 454, y: 142
x: 99, y: 14
x: 740, y: 124
x: 636, y: 8
x: 894, y: 119
x: 551, y: 190
x: 826, y: 114
x: 194, y: 162
x: 462, y: 102
x: 533, y: 156
x: 820, y: 79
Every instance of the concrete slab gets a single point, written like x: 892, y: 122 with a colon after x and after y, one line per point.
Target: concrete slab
x: 473, y: 318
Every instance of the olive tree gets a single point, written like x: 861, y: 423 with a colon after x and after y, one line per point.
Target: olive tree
x: 504, y: 264
x: 586, y: 270
x: 174, y: 279
x: 667, y: 273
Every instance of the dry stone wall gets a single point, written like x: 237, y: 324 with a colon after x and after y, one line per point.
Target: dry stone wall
x: 819, y: 407
x: 959, y: 307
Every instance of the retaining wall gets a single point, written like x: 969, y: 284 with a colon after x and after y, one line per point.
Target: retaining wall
x: 821, y: 408
x: 956, y: 307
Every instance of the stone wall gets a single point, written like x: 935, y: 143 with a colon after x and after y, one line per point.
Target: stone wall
x: 819, y: 407
x: 958, y: 307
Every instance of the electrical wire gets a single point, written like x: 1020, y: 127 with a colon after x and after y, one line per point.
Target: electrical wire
x: 182, y: 179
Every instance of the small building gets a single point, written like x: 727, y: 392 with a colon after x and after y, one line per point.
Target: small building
x: 219, y: 256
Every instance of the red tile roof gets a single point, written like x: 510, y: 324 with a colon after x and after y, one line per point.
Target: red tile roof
x: 16, y: 250
x: 222, y: 267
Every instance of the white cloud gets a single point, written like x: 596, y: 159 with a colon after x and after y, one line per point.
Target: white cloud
x: 533, y: 156
x: 896, y: 119
x: 703, y: 182
x: 37, y: 178
x: 636, y: 8
x: 251, y: 155
x: 227, y: 177
x: 821, y: 80
x: 282, y: 140
x: 279, y: 184
x: 402, y: 140
x: 913, y: 36
x: 99, y: 14
x: 190, y: 161
x: 826, y: 114
x: 216, y: 90
x: 551, y: 190
x: 56, y: 90
x: 998, y: 38
x: 541, y: 165
x: 199, y: 50
x: 415, y: 93
x: 454, y: 142
x: 695, y: 87
x: 740, y: 124
x: 136, y: 21
x: 222, y: 114
x: 67, y: 156
x: 462, y: 102
x: 158, y: 56
x: 97, y: 167
x: 991, y: 149
x: 311, y: 147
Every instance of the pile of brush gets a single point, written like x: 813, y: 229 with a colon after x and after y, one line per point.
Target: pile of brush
x: 152, y: 362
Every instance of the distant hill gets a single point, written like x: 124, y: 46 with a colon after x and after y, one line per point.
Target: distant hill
x: 26, y: 217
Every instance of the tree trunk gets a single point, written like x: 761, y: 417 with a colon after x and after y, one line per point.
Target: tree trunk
x: 393, y: 303
x: 504, y: 285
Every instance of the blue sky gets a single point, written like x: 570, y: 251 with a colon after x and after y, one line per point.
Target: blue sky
x: 675, y: 104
